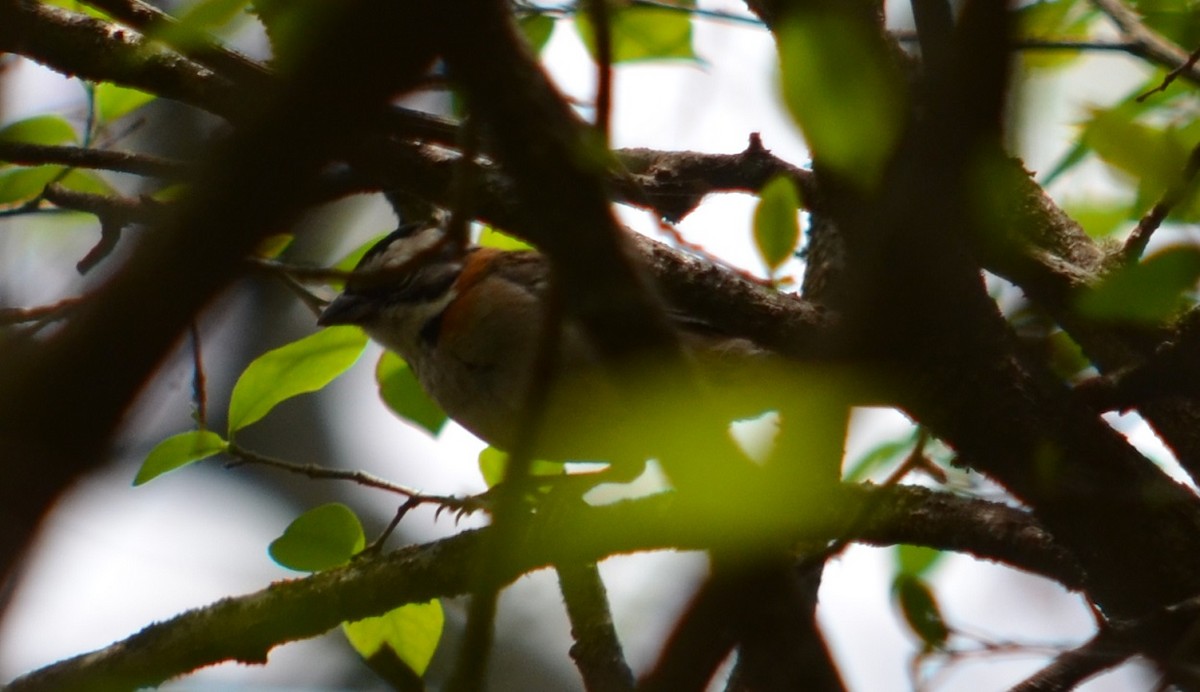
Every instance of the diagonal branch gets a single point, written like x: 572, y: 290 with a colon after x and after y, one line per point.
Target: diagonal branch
x: 246, y: 628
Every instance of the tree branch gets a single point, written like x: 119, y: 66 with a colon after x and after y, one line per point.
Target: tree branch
x: 245, y: 628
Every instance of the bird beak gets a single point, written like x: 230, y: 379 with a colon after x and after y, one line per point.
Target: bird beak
x: 346, y: 309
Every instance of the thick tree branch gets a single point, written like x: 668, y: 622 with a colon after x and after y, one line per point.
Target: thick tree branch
x: 81, y: 46
x: 117, y: 337
x: 247, y: 627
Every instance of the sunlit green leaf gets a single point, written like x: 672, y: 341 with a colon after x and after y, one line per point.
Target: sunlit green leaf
x: 40, y: 129
x: 321, y: 538
x: 20, y: 184
x: 921, y: 611
x: 113, y: 102
x: 1154, y: 156
x: 299, y: 367
x: 399, y: 389
x: 493, y: 464
x: 83, y: 180
x: 410, y: 632
x: 537, y: 28
x: 776, y: 222
x: 642, y: 33
x: 843, y: 90
x: 916, y: 560
x: 490, y: 237
x: 1100, y: 218
x: 351, y: 259
x: 178, y: 451
x: 1148, y: 292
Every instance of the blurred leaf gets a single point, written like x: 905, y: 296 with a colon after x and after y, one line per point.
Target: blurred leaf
x: 399, y: 389
x: 1054, y: 20
x: 642, y: 33
x: 493, y: 464
x: 1177, y: 20
x: 1153, y: 156
x: 22, y: 184
x: 1066, y: 357
x: 776, y: 222
x: 321, y: 538
x: 113, y: 102
x: 178, y: 451
x: 83, y: 180
x: 410, y: 632
x: 490, y: 237
x: 1100, y: 218
x: 40, y: 129
x: 1073, y: 156
x: 299, y: 367
x: 916, y: 560
x: 273, y: 245
x: 208, y: 15
x: 351, y: 259
x: 844, y: 92
x: 881, y: 455
x: 1150, y: 292
x: 921, y: 611
x: 537, y: 28
x: 290, y: 26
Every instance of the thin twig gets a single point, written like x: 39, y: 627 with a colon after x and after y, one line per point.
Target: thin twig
x: 53, y: 311
x: 599, y: 15
x: 1149, y: 44
x: 79, y: 157
x: 1172, y: 76
x: 244, y: 456
x: 1136, y: 243
x: 199, y: 386
x: 597, y: 649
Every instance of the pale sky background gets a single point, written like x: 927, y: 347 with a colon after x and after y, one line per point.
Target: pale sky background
x: 115, y: 558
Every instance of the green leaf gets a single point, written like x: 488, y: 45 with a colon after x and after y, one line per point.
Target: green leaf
x: 83, y: 180
x: 537, y: 28
x: 493, y: 464
x: 776, y: 224
x: 22, y: 184
x: 299, y: 367
x: 321, y: 538
x: 40, y: 129
x: 1100, y: 218
x: 273, y: 245
x: 642, y: 33
x: 921, y: 611
x: 178, y: 451
x: 916, y: 560
x: 1153, y: 156
x: 490, y: 237
x: 843, y: 90
x: 410, y: 632
x: 1054, y: 20
x: 399, y: 389
x: 880, y: 455
x: 208, y: 15
x: 113, y: 102
x: 1150, y: 292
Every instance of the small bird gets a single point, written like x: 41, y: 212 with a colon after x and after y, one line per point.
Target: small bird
x: 468, y: 323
